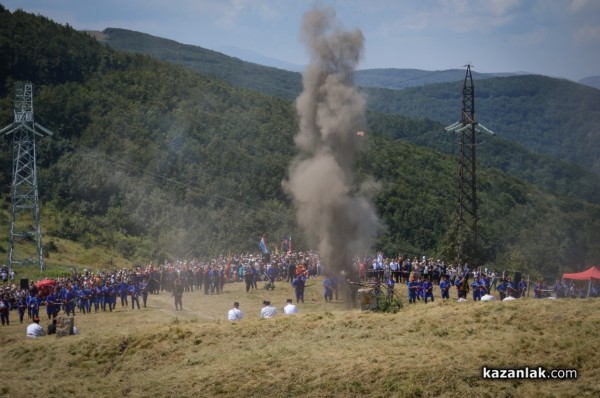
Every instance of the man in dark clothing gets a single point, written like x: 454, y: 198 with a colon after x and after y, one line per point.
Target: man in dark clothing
x: 178, y: 294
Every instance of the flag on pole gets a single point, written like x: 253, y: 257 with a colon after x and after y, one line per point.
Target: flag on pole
x: 263, y: 245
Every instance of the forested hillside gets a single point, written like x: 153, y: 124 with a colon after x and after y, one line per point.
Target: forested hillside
x: 555, y: 175
x: 271, y: 81
x: 157, y: 161
x: 546, y: 115
x: 526, y: 112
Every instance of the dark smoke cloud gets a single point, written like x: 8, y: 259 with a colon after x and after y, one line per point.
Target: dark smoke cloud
x: 335, y: 214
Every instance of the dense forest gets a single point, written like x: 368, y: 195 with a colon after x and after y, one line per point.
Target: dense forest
x: 156, y: 161
x: 546, y: 116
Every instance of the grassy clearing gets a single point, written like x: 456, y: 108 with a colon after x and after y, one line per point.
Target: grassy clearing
x: 325, y: 351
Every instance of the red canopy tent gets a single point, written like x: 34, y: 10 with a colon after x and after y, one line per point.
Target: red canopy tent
x: 45, y: 282
x: 592, y: 273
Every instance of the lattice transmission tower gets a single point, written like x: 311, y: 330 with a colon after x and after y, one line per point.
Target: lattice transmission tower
x: 24, y: 210
x: 468, y: 128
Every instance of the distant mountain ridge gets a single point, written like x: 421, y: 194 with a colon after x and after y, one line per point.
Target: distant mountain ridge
x: 257, y: 58
x: 279, y: 81
x: 397, y: 79
x: 592, y: 81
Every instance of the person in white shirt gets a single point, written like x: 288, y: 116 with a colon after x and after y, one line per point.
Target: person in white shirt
x: 268, y: 311
x: 290, y: 308
x: 235, y: 314
x: 35, y: 330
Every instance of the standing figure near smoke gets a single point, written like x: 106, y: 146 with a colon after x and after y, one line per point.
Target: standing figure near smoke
x: 299, y: 284
x: 328, y: 289
x: 248, y: 278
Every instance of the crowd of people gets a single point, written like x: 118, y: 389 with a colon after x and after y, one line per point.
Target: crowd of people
x: 421, y: 275
x: 88, y: 292
x: 562, y: 289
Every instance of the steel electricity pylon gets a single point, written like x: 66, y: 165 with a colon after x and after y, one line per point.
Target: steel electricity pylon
x: 468, y: 128
x: 24, y: 210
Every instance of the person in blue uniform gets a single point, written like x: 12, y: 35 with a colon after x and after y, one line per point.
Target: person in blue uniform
x: 445, y: 288
x: 106, y: 297
x: 134, y: 293
x: 475, y: 288
x: 299, y: 283
x: 413, y: 289
x: 69, y: 299
x: 96, y: 297
x: 83, y: 296
x: 510, y: 288
x: 271, y: 274
x: 122, y: 289
x: 52, y: 304
x: 33, y: 304
x: 328, y: 289
x: 502, y: 289
x: 113, y: 293
x: 427, y: 291
x: 21, y: 307
x: 420, y: 291
x: 389, y: 285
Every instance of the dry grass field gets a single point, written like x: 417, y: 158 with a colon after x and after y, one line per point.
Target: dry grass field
x: 326, y: 350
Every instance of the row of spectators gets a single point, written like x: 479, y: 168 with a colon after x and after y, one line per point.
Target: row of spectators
x: 417, y: 272
x: 87, y: 291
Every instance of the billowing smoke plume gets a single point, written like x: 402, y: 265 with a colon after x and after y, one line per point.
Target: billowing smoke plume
x: 334, y: 213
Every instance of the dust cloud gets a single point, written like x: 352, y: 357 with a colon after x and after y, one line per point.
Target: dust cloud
x: 335, y: 213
